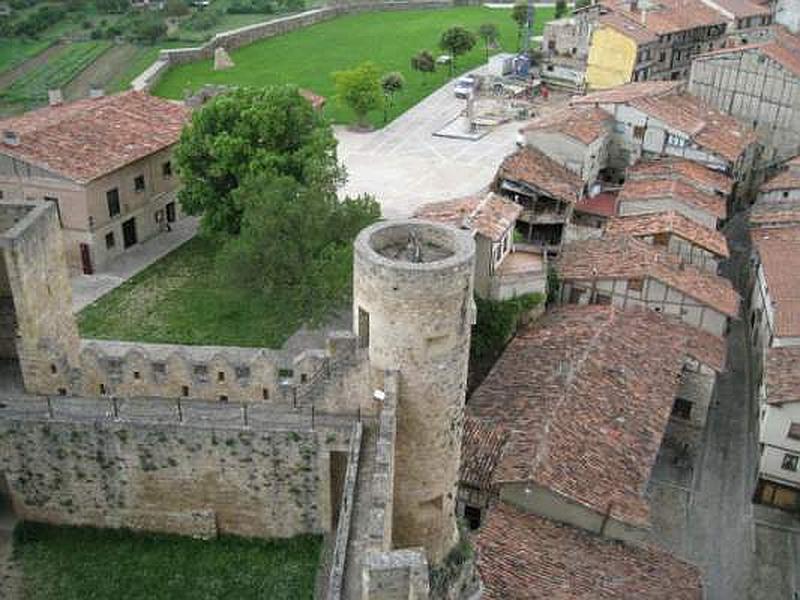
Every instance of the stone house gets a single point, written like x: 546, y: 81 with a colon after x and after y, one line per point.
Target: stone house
x: 648, y: 196
x: 787, y: 13
x: 105, y: 162
x: 692, y: 173
x: 557, y: 392
x: 626, y: 272
x: 575, y: 137
x: 784, y: 185
x: 565, y: 46
x: 779, y: 430
x: 504, y: 268
x: 759, y: 84
x: 747, y: 22
x: 545, y: 189
x: 694, y: 244
x: 655, y: 119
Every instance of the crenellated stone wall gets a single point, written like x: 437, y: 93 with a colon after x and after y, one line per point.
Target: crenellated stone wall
x: 195, y: 468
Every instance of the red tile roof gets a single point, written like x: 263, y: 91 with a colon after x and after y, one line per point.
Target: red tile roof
x: 89, y: 138
x: 779, y: 251
x: 533, y: 168
x: 670, y: 16
x: 584, y: 124
x: 522, y: 555
x: 675, y: 189
x: 629, y: 27
x: 782, y: 375
x: 673, y: 223
x: 689, y: 171
x: 603, y: 204
x: 490, y: 215
x: 585, y: 393
x: 708, y: 127
x: 625, y: 258
x: 629, y: 91
x: 775, y: 213
x: 742, y: 9
x: 481, y: 450
x: 787, y: 179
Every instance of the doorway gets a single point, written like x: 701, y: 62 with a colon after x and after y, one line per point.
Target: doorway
x: 129, y: 233
x: 170, y: 212
x: 86, y: 259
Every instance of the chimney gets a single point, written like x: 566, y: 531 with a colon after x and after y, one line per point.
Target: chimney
x: 96, y: 92
x: 55, y: 97
x: 10, y: 138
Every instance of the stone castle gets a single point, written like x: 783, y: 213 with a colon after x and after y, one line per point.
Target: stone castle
x: 360, y: 440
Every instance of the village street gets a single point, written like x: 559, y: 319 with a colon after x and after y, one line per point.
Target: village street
x: 704, y: 512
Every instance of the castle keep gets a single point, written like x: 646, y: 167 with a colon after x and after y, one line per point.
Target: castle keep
x: 360, y: 439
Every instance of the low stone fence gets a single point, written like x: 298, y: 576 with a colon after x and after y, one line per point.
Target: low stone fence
x: 236, y: 38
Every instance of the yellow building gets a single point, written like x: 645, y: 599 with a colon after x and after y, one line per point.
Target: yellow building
x: 612, y: 58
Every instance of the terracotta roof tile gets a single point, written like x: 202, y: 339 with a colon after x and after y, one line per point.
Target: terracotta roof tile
x: 620, y: 257
x: 689, y: 171
x: 779, y: 251
x: 674, y: 223
x: 521, y: 555
x: 628, y: 92
x: 89, y: 138
x: 670, y: 16
x: 784, y: 49
x: 676, y: 189
x: 585, y: 393
x: 775, y: 213
x: 481, y: 449
x: 787, y: 179
x: 782, y: 375
x: 744, y: 8
x: 533, y: 168
x: 629, y: 27
x: 604, y: 204
x: 708, y: 127
x: 584, y: 124
x: 490, y: 215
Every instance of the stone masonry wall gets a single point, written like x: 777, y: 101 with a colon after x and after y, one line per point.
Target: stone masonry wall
x: 197, y: 469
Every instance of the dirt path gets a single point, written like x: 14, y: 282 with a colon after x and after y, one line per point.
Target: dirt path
x: 101, y: 72
x: 9, y: 76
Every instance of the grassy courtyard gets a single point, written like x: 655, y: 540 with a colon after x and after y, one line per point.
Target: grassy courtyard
x: 65, y: 563
x: 307, y: 57
x: 183, y: 299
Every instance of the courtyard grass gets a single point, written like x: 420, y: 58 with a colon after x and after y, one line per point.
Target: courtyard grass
x: 307, y: 57
x: 70, y: 563
x: 183, y: 299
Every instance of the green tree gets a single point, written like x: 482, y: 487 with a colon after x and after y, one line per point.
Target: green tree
x: 391, y: 83
x: 176, y: 8
x: 561, y: 8
x: 582, y: 3
x: 457, y: 41
x: 112, y: 6
x: 271, y: 132
x: 360, y: 89
x: 489, y: 34
x: 520, y: 16
x: 296, y: 242
x: 423, y: 62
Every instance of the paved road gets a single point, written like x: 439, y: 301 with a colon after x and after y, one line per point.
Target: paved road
x: 709, y: 518
x: 403, y: 165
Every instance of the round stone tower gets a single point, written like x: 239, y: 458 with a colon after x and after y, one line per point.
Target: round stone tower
x: 413, y: 309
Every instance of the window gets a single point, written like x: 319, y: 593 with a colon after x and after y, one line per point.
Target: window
x: 265, y: 393
x: 166, y: 169
x: 794, y: 431
x: 602, y: 299
x: 635, y: 285
x: 1, y: 194
x: 137, y: 375
x: 138, y: 183
x: 223, y: 398
x: 676, y: 140
x: 112, y: 199
x: 638, y: 132
x: 110, y: 240
x: 662, y: 56
x: 790, y: 462
x: 185, y: 391
x: 220, y: 376
x: 785, y: 194
x: 682, y: 409
x: 363, y: 328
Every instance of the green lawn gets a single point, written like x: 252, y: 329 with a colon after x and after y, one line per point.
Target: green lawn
x: 182, y: 299
x: 65, y: 563
x: 32, y: 87
x: 307, y: 57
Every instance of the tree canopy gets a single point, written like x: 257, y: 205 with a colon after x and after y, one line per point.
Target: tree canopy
x: 457, y: 41
x: 489, y: 34
x: 270, y: 133
x: 423, y: 62
x: 561, y: 8
x: 360, y: 89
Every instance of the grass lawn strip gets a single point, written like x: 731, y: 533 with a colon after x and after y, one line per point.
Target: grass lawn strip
x: 307, y: 57
x: 70, y: 563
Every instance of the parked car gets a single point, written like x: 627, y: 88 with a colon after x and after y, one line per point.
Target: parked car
x: 465, y: 86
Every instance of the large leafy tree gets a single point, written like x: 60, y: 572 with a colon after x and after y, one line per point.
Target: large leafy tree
x: 457, y: 41
x: 519, y: 13
x: 296, y: 240
x: 361, y: 90
x: 268, y: 133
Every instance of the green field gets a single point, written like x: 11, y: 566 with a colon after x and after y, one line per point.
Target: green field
x: 182, y: 299
x: 14, y: 52
x: 31, y: 88
x: 65, y: 563
x: 307, y: 57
